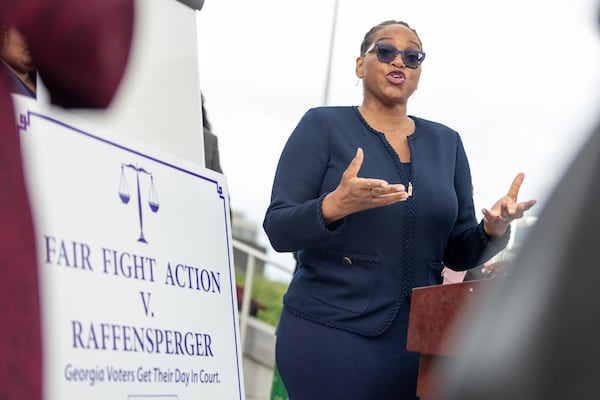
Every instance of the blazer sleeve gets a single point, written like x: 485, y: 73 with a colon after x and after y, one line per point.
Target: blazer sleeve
x: 294, y: 219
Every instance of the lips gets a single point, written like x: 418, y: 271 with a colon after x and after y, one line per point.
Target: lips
x: 396, y: 77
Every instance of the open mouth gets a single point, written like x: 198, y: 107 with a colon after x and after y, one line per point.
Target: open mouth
x: 396, y: 77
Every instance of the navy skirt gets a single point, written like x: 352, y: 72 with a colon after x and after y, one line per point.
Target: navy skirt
x: 317, y: 362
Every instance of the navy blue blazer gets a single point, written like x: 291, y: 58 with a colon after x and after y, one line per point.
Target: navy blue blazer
x: 356, y: 273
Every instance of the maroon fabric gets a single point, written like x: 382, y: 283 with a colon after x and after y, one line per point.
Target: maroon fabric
x: 81, y: 49
x: 20, y: 347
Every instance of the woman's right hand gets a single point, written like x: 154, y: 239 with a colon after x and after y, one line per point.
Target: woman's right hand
x: 356, y: 194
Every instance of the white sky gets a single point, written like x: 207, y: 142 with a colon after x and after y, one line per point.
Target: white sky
x: 518, y: 79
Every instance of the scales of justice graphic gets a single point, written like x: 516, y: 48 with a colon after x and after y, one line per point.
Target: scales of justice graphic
x: 126, y: 196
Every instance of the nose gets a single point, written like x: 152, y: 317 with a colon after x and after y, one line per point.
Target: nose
x: 398, y: 62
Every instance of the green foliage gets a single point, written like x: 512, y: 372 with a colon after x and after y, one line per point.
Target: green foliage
x: 268, y: 293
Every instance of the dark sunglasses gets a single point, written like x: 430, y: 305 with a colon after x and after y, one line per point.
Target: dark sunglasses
x: 386, y: 53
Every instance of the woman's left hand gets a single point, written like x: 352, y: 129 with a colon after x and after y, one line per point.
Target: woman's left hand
x: 505, y: 210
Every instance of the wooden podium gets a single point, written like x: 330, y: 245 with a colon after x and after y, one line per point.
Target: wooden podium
x: 433, y: 311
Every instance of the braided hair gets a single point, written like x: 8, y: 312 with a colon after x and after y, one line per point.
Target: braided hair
x: 368, y: 39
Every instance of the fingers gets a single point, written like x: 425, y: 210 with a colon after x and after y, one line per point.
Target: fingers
x: 508, y: 212
x: 526, y: 205
x: 355, y: 164
x: 515, y: 210
x: 493, y: 223
x: 513, y: 192
x: 389, y: 198
x: 366, y: 184
x: 370, y: 191
x: 504, y: 212
x: 494, y: 217
x: 382, y: 188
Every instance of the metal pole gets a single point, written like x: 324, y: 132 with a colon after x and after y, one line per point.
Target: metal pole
x: 330, y: 59
x: 246, y: 300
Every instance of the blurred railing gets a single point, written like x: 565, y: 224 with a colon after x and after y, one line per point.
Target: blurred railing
x: 245, y: 318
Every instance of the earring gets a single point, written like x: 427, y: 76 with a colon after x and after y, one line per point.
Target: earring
x: 357, y: 82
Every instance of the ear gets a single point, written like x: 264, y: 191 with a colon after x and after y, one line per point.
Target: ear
x: 359, y: 67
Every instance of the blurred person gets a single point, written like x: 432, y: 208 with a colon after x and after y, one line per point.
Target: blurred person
x: 81, y: 64
x: 375, y: 202
x: 17, y: 59
x: 212, y: 160
x: 211, y: 143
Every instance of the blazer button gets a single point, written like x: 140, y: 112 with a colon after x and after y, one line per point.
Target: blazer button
x: 347, y: 260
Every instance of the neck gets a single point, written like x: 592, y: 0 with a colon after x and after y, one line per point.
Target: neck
x: 390, y: 115
x: 393, y: 110
x: 389, y: 120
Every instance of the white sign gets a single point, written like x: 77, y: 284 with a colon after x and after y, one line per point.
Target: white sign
x: 135, y: 263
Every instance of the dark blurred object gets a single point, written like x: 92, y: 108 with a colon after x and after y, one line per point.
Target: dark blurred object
x: 195, y: 4
x: 536, y: 336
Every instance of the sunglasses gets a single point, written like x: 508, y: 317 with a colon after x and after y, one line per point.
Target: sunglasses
x: 386, y: 53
